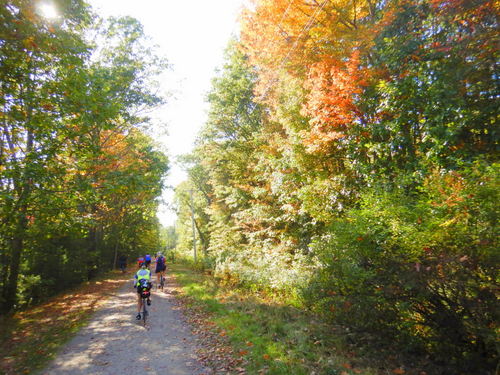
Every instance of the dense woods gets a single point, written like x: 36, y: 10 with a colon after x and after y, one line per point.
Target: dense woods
x: 79, y: 174
x: 350, y: 163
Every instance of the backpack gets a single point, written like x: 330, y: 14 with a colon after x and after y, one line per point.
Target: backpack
x: 144, y: 285
x: 160, y: 261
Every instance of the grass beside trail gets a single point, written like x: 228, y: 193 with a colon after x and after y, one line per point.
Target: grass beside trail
x: 29, y: 339
x: 271, y: 337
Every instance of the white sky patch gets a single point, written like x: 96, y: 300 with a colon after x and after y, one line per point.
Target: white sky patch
x: 192, y: 35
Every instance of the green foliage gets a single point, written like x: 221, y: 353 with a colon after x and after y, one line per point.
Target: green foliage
x: 78, y: 178
x: 434, y: 97
x: 420, y: 270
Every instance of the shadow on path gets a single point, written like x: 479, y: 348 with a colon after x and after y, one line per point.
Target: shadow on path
x: 115, y: 343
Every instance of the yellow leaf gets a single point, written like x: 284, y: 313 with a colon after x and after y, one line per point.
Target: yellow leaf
x: 28, y: 42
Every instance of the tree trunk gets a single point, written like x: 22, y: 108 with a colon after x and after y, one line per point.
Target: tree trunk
x: 10, y: 290
x: 23, y: 188
x: 202, y: 239
x: 116, y: 255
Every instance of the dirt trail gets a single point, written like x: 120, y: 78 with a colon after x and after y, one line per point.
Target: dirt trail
x: 115, y: 343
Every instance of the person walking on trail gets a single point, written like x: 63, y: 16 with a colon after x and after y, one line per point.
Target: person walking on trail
x: 161, y: 266
x: 147, y: 259
x: 122, y: 262
x: 142, y: 281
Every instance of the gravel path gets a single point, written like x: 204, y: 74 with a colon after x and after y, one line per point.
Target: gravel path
x: 114, y: 343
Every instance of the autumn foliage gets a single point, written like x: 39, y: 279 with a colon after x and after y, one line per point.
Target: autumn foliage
x: 354, y: 166
x: 79, y: 177
x: 331, y: 102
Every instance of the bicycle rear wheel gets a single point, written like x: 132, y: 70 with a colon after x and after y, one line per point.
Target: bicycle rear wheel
x: 144, y: 311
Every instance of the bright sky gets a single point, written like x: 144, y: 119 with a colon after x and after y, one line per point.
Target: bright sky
x: 192, y: 34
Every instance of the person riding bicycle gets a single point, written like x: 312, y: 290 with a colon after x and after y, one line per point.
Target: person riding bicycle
x: 147, y: 259
x: 142, y: 281
x: 140, y: 261
x: 160, y: 267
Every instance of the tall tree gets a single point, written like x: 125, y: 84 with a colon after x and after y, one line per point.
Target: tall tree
x: 67, y: 104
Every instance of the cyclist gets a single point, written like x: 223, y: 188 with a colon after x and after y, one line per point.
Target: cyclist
x: 147, y: 259
x: 140, y: 260
x: 160, y: 267
x: 142, y: 281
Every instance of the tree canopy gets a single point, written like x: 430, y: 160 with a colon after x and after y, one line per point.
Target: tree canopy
x: 79, y: 176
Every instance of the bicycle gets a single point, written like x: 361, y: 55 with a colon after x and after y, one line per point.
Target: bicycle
x: 145, y: 295
x: 162, y: 282
x: 144, y: 309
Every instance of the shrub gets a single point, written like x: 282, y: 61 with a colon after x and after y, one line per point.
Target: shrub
x: 419, y: 270
x: 275, y: 269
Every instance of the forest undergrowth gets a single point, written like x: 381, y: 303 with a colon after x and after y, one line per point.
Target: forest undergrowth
x: 258, y: 333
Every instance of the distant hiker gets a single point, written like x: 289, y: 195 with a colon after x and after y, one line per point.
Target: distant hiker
x: 161, y: 266
x: 122, y: 262
x: 142, y: 282
x: 147, y: 258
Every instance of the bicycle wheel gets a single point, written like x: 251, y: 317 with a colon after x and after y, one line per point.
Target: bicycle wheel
x: 144, y: 311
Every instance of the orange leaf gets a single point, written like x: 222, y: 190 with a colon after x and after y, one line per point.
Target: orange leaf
x: 398, y: 371
x: 266, y: 356
x: 346, y: 365
x: 243, y: 352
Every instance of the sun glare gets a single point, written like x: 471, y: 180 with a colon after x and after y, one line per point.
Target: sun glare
x: 48, y: 10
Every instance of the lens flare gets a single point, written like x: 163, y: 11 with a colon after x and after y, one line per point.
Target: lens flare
x: 48, y: 10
